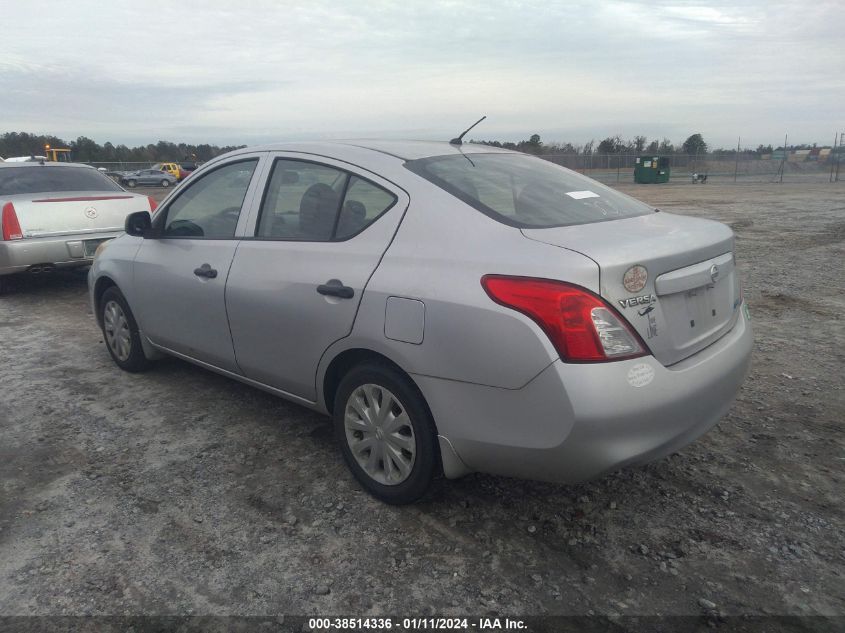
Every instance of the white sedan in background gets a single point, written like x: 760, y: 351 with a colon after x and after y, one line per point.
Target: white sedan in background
x: 54, y: 215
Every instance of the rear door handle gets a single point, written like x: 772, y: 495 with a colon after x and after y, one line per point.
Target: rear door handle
x: 205, y: 271
x: 335, y: 288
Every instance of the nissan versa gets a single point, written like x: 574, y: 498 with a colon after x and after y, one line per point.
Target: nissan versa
x: 455, y: 308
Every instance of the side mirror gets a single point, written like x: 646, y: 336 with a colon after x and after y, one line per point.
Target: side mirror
x: 138, y: 224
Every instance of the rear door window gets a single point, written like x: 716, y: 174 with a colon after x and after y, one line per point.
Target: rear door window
x: 363, y: 204
x: 314, y: 202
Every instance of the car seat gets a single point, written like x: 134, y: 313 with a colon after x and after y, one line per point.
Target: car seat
x: 317, y: 211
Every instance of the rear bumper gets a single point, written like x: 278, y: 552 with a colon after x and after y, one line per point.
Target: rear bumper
x: 60, y: 251
x: 577, y: 422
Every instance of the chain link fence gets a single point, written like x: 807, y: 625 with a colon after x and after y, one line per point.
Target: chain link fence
x: 612, y: 168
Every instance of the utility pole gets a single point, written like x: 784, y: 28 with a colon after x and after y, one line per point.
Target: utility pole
x: 833, y: 155
x: 736, y: 163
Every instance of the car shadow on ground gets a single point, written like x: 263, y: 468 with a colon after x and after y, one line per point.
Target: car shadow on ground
x: 37, y: 284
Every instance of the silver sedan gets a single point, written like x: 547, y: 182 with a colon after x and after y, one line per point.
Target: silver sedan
x: 454, y: 308
x: 148, y: 177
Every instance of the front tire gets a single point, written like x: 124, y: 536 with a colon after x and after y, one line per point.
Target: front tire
x: 386, y: 433
x: 165, y: 183
x: 120, y: 332
x: 131, y: 183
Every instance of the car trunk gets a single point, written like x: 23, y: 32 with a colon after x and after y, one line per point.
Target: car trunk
x: 691, y: 295
x: 75, y: 212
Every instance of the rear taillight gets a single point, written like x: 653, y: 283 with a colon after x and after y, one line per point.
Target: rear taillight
x: 581, y: 325
x: 153, y: 204
x: 11, y: 226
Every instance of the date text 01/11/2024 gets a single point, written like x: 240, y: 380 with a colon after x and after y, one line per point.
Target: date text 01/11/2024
x: 417, y: 624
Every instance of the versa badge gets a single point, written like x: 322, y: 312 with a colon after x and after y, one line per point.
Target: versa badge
x: 637, y: 301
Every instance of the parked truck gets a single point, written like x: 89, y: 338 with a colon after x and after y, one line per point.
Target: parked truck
x: 174, y: 169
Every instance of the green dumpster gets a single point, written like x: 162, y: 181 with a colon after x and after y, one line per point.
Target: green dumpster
x: 651, y: 169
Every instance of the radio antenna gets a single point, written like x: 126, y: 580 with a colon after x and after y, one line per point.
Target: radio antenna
x: 459, y: 139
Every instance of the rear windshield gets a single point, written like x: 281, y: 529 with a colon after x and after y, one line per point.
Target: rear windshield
x: 17, y: 180
x: 525, y: 191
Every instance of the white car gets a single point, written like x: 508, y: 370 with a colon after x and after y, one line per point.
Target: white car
x: 24, y: 159
x: 55, y: 215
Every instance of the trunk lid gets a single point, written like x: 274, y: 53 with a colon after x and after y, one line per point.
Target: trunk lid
x: 691, y: 293
x: 75, y: 212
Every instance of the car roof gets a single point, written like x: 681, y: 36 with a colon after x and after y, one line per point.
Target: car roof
x: 403, y: 150
x: 38, y: 163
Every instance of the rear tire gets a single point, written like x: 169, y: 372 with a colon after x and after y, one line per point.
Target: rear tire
x: 165, y: 183
x: 120, y: 332
x: 131, y: 183
x: 386, y: 433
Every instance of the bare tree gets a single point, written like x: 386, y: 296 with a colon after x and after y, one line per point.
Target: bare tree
x: 639, y: 144
x: 666, y: 146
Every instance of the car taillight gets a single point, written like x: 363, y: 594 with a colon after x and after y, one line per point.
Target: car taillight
x: 581, y: 325
x: 153, y: 204
x: 11, y: 226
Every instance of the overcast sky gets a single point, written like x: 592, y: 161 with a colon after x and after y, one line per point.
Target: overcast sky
x: 249, y: 71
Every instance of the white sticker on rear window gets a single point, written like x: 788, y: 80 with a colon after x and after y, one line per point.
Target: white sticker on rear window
x: 580, y: 195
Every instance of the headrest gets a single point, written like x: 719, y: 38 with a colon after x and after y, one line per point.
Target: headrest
x: 317, y: 211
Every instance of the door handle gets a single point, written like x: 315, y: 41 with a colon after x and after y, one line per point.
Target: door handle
x: 205, y: 271
x: 335, y: 288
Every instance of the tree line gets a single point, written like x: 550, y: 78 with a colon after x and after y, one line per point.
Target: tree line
x: 86, y: 150
x: 694, y: 144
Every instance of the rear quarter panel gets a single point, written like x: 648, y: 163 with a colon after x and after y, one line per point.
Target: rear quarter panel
x: 440, y: 253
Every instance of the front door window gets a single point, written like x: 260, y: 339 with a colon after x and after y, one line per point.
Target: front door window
x: 210, y: 207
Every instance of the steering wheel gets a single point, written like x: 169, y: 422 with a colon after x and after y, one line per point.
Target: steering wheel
x: 230, y: 213
x: 224, y: 222
x: 184, y: 228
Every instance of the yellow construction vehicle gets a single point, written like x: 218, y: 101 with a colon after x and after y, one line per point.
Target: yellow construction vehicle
x: 57, y: 154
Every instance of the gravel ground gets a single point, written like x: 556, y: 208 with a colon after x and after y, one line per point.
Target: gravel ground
x: 181, y: 492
